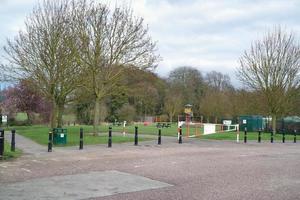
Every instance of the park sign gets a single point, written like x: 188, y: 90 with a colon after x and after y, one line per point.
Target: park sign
x: 188, y: 109
x: 4, y: 119
x: 227, y: 122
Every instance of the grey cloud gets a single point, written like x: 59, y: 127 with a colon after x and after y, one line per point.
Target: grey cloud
x: 210, y: 35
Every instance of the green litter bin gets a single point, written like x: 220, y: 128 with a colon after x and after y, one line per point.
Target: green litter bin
x: 59, y: 136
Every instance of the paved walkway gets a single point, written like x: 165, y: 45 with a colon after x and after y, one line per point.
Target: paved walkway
x: 30, y: 147
x: 27, y: 145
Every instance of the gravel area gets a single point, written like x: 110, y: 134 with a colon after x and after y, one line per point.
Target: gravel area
x: 196, y: 169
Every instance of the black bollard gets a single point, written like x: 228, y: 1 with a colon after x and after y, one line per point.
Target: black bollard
x: 13, y: 140
x: 180, y: 135
x: 81, y: 139
x: 159, y: 137
x: 295, y: 135
x: 272, y: 137
x: 136, y: 136
x: 259, y: 136
x: 245, y: 135
x: 50, y: 142
x: 109, y: 137
x: 283, y: 136
x: 1, y: 143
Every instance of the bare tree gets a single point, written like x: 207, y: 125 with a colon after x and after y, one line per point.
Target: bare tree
x: 45, y: 53
x: 189, y: 82
x: 173, y: 101
x: 272, y: 66
x: 218, y: 81
x: 111, y: 41
x: 215, y: 104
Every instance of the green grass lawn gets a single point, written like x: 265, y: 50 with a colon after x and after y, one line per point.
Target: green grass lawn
x: 148, y: 130
x: 250, y: 136
x: 69, y: 118
x: 21, y: 116
x: 9, y: 154
x: 40, y: 135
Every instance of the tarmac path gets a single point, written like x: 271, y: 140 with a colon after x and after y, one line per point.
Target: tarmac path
x: 196, y: 169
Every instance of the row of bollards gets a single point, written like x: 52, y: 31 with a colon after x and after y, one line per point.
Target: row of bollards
x: 159, y: 137
x: 81, y: 139
x: 2, y: 144
x: 50, y: 141
x: 136, y: 139
x: 180, y: 135
x: 13, y: 140
x: 109, y: 137
x: 245, y: 135
x: 271, y: 138
x: 109, y: 143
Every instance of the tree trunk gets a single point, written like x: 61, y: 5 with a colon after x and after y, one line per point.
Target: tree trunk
x: 216, y: 120
x: 60, y: 115
x: 274, y: 124
x: 171, y: 118
x: 53, y: 115
x: 96, y: 116
x: 29, y: 117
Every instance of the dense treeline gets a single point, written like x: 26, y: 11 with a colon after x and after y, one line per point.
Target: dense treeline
x: 142, y: 93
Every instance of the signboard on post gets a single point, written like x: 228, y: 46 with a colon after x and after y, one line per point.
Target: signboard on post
x: 4, y: 119
x: 227, y: 122
x: 187, y: 110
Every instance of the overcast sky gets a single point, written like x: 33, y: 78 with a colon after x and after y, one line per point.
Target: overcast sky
x: 208, y: 35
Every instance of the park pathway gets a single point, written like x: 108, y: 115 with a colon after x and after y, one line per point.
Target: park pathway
x: 30, y: 147
x: 27, y: 145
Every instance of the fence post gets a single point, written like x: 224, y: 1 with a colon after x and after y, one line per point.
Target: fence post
x: 159, y: 137
x: 136, y: 136
x: 283, y: 136
x: 180, y: 135
x: 259, y: 135
x: 109, y: 137
x: 50, y: 140
x: 13, y: 140
x: 81, y: 139
x: 245, y: 135
x: 295, y: 135
x: 2, y: 143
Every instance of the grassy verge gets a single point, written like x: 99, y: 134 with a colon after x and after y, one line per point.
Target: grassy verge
x: 39, y: 134
x: 250, y: 136
x: 9, y: 154
x: 147, y: 130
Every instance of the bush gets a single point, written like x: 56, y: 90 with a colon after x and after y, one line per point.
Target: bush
x: 165, y: 118
x: 127, y: 113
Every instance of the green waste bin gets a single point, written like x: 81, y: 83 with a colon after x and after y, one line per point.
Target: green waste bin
x: 59, y: 136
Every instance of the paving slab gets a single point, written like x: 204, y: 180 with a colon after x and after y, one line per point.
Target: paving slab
x: 79, y: 186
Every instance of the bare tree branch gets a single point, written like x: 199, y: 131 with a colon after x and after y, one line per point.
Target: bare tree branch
x: 272, y: 66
